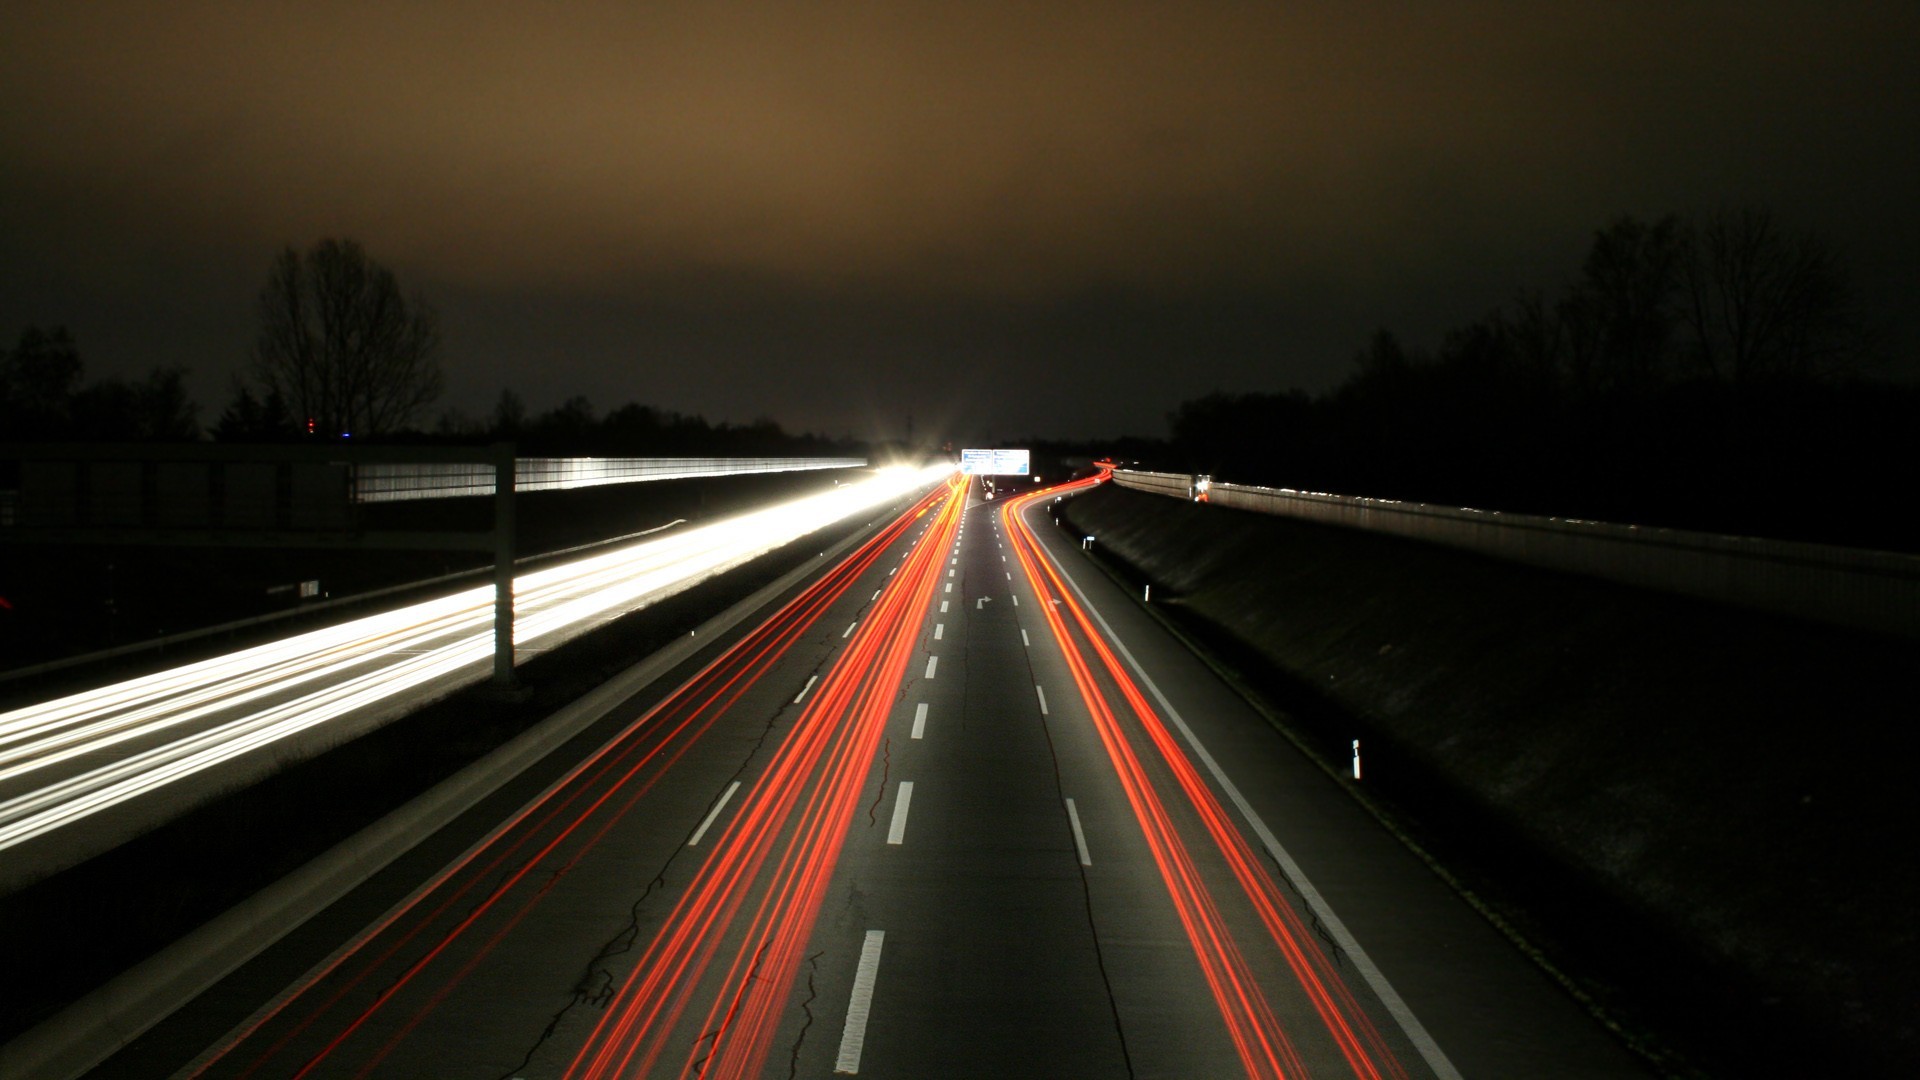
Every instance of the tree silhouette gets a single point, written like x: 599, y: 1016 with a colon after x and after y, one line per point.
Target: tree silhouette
x: 254, y: 420
x: 42, y: 397
x: 37, y: 381
x: 1619, y: 317
x: 342, y: 347
x: 1763, y: 303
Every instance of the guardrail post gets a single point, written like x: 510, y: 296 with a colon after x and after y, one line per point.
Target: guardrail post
x: 503, y: 546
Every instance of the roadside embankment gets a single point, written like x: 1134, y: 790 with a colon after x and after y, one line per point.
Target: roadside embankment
x: 1701, y: 816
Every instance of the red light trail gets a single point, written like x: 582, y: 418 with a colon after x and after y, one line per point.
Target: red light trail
x: 821, y: 770
x: 395, y: 974
x: 1264, y: 1047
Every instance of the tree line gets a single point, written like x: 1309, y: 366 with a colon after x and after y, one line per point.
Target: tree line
x: 1710, y: 374
x: 341, y: 353
x: 43, y: 396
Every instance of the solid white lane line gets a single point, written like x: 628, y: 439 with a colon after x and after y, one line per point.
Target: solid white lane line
x: 897, y: 832
x: 1038, y: 689
x: 1416, y: 1032
x: 939, y: 630
x: 848, y: 632
x: 1079, y: 838
x: 932, y: 662
x: 811, y: 679
x: 920, y: 720
x: 1023, y: 638
x: 713, y: 813
x: 854, y: 1035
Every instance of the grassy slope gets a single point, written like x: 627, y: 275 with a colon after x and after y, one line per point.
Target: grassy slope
x: 1704, y: 814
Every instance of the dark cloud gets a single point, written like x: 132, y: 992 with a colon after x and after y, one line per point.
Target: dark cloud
x: 821, y: 214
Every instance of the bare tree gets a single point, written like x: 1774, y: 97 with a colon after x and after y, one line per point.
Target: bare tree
x: 1761, y: 302
x: 341, y: 346
x: 1619, y: 316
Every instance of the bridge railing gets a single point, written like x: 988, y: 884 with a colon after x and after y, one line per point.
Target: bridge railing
x: 1869, y: 590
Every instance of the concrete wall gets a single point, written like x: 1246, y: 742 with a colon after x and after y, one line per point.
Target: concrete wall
x: 1868, y: 590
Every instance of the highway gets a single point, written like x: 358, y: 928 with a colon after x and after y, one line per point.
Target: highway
x: 957, y: 807
x: 84, y: 772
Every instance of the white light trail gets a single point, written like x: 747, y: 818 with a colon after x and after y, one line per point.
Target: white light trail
x: 159, y: 729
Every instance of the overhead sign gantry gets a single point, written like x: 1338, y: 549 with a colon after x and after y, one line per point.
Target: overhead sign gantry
x: 994, y: 462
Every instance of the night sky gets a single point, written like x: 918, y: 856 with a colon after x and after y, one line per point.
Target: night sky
x: 1001, y: 218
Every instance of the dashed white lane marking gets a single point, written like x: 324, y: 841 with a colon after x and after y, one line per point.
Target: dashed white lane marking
x: 811, y: 679
x: 920, y: 720
x: 1009, y: 575
x: 949, y: 586
x: 1016, y: 601
x: 1003, y: 558
x: 950, y: 573
x: 932, y: 662
x: 1079, y: 838
x: 875, y: 596
x: 897, y: 831
x: 956, y: 560
x: 1023, y: 638
x: 848, y: 632
x: 890, y: 570
x: 943, y: 607
x: 1416, y: 1032
x: 713, y: 813
x: 854, y: 1035
x: 1038, y: 689
x: 939, y: 630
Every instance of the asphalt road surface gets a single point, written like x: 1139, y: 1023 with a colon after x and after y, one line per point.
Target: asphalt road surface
x: 958, y: 808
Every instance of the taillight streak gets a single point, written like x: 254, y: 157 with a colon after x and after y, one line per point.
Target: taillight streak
x: 707, y: 693
x: 1263, y: 1047
x: 820, y: 770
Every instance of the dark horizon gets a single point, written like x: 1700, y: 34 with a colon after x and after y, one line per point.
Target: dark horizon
x: 1003, y: 221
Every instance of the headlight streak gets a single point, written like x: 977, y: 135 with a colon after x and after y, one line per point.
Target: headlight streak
x: 361, y: 663
x: 832, y: 745
x: 1262, y: 1045
x: 658, y: 738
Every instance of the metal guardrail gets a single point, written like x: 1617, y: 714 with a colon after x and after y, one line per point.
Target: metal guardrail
x: 1863, y: 589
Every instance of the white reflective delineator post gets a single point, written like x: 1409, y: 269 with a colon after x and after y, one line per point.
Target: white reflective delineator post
x: 1146, y: 595
x: 1356, y: 759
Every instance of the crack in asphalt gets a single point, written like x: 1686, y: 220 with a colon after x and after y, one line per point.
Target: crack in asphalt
x: 886, y: 770
x: 585, y: 992
x: 813, y: 967
x: 712, y: 1038
x: 1086, y: 886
